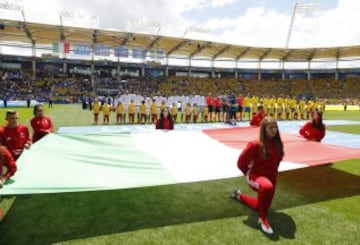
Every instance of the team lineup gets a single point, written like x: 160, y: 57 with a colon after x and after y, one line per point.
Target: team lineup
x: 133, y: 108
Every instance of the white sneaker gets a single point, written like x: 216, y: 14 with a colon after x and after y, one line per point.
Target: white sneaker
x: 265, y: 226
x: 235, y: 195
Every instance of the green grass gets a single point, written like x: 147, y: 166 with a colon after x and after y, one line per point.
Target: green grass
x: 343, y: 115
x: 317, y: 205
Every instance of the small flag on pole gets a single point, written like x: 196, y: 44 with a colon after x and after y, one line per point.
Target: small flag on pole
x: 61, y: 47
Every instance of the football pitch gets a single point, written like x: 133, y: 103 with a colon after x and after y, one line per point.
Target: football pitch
x: 314, y: 205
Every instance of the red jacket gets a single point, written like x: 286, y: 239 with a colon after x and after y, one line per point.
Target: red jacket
x: 41, y: 126
x: 310, y: 133
x: 14, y: 139
x: 217, y: 102
x: 240, y: 101
x: 167, y: 124
x: 257, y: 118
x: 6, y: 160
x: 209, y: 101
x: 251, y: 160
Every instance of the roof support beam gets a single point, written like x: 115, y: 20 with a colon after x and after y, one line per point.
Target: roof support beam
x: 153, y: 43
x: 311, y: 56
x: 126, y: 39
x: 27, y: 32
x: 242, y: 54
x: 200, y: 48
x: 177, y: 47
x: 221, y: 51
x: 288, y: 53
x: 263, y: 56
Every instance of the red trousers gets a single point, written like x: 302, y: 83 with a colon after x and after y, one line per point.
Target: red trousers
x: 265, y: 189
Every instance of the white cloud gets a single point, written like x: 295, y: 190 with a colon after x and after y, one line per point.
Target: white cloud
x: 187, y: 5
x: 221, y: 3
x: 220, y: 24
x: 257, y: 26
x: 269, y: 28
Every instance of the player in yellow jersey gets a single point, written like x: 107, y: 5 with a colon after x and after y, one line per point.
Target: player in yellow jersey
x: 293, y: 105
x: 195, y: 113
x: 280, y: 107
x: 205, y: 114
x: 247, y: 106
x: 153, y: 112
x: 309, y: 110
x: 296, y: 111
x: 96, y: 111
x: 316, y: 106
x: 265, y: 102
x: 162, y: 105
x: 302, y: 109
x: 106, y: 112
x: 272, y: 102
x: 173, y: 111
x: 131, y: 111
x: 287, y: 109
x: 322, y: 106
x: 187, y: 113
x: 142, y: 112
x: 119, y: 112
x: 254, y: 105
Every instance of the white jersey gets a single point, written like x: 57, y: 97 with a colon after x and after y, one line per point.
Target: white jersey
x: 125, y: 100
x: 148, y: 102
x: 137, y: 100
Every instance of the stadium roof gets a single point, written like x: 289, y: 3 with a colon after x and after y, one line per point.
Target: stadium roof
x: 24, y: 32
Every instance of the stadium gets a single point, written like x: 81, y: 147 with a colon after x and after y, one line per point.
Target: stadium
x: 123, y: 182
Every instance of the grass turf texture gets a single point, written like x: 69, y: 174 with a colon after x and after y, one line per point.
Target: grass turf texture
x: 318, y: 205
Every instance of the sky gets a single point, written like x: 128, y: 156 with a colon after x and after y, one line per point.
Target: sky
x: 259, y: 23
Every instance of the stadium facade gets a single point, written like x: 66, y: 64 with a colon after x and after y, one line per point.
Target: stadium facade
x: 56, y: 49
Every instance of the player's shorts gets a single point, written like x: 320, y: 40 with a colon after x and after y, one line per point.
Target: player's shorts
x: 211, y: 108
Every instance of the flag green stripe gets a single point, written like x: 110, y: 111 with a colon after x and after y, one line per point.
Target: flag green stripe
x: 62, y: 163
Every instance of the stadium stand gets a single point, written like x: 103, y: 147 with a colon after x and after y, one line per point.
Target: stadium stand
x: 69, y: 80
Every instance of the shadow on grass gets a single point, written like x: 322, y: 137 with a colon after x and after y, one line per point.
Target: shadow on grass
x: 282, y: 224
x: 49, y: 218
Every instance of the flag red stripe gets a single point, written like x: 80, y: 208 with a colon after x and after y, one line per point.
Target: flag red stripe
x: 297, y: 149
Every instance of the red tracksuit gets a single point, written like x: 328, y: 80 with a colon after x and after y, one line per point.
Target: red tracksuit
x: 7, y: 160
x: 210, y: 102
x: 261, y: 175
x: 310, y: 133
x: 257, y: 118
x: 167, y: 124
x: 14, y: 139
x: 41, y: 126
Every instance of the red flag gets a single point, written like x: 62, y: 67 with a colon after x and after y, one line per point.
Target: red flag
x: 66, y: 48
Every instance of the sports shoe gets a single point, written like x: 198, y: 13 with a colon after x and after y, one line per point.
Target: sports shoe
x: 265, y: 226
x: 235, y: 195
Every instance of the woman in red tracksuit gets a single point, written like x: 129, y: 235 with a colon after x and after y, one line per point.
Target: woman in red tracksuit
x: 7, y: 161
x: 165, y: 121
x: 13, y: 136
x: 258, y: 117
x: 259, y: 162
x: 41, y: 125
x: 315, y: 129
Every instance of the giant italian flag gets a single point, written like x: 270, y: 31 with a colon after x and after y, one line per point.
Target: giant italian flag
x: 110, y: 159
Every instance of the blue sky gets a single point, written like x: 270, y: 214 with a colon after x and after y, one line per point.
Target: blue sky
x: 244, y: 22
